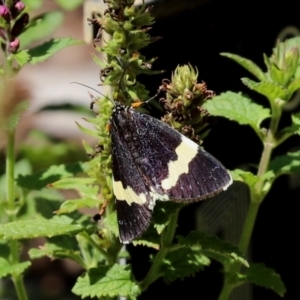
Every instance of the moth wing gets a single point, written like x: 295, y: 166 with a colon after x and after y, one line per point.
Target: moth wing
x: 173, y: 166
x: 132, y: 199
x: 206, y: 177
x: 152, y: 161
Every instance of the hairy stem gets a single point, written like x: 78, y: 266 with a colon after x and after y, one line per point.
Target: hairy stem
x: 12, y: 211
x: 256, y: 198
x: 166, y: 242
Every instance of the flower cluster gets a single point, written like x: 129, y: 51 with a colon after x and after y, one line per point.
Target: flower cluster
x: 183, y: 101
x: 12, y: 24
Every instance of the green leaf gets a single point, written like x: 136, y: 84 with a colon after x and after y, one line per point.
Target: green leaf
x: 265, y: 277
x: 22, y: 57
x: 183, y: 263
x: 276, y: 74
x: 105, y: 281
x: 162, y: 212
x: 110, y: 223
x: 295, y: 127
x: 88, y: 131
x: 73, y: 183
x: 57, y: 247
x: 149, y: 239
x: 72, y: 205
x: 98, y: 61
x: 42, y: 52
x: 269, y: 89
x: 70, y: 4
x: 41, y: 179
x: 40, y: 27
x: 239, y: 108
x: 286, y: 164
x: 247, y: 64
x: 7, y: 269
x: 284, y: 62
x: 88, y: 149
x: 212, y: 243
x: 38, y: 228
x: 146, y: 243
x: 244, y: 176
x: 84, y: 186
x: 81, y: 109
x: 41, y: 203
x: 251, y: 180
x: 293, y: 86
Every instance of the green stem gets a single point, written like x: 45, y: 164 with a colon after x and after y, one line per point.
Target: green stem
x: 153, y: 273
x: 269, y: 144
x: 243, y: 245
x: 19, y: 286
x: 248, y: 226
x: 167, y: 238
x: 283, y: 138
x: 265, y: 158
x: 10, y: 180
x: 12, y: 211
x: 227, y: 289
x: 256, y: 198
x: 93, y: 243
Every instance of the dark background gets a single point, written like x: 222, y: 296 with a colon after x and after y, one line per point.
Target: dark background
x: 197, y: 35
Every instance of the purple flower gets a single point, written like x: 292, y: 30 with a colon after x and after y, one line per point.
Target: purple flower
x: 19, y: 6
x: 5, y: 13
x: 16, y: 9
x: 14, y: 45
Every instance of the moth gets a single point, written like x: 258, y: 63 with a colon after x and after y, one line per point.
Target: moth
x: 152, y: 161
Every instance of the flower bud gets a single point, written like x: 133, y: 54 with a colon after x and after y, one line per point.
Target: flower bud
x: 14, y: 45
x: 5, y: 13
x: 17, y: 9
x: 20, y: 6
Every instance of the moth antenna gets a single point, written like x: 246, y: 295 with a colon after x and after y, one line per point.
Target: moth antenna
x: 153, y: 97
x: 87, y: 87
x: 113, y: 102
x: 138, y: 104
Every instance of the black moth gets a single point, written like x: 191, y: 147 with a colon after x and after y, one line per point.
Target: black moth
x: 151, y: 161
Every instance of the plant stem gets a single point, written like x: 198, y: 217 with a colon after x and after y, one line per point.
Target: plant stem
x: 19, y: 286
x: 12, y: 210
x: 257, y: 195
x: 227, y: 289
x: 166, y: 241
x: 154, y: 270
x: 10, y: 180
x: 248, y: 226
x: 168, y: 236
x: 93, y: 243
x: 269, y: 145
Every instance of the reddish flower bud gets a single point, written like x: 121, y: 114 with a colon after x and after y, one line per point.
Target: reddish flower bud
x: 20, y: 6
x: 14, y: 45
x: 17, y: 9
x: 5, y: 13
